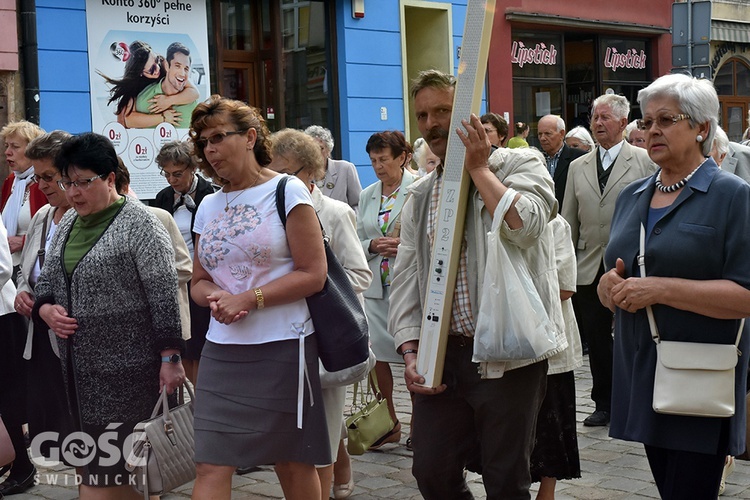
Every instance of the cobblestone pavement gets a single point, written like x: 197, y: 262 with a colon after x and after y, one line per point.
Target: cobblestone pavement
x: 611, y: 469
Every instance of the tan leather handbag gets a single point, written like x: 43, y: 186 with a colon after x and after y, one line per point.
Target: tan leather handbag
x: 163, y: 448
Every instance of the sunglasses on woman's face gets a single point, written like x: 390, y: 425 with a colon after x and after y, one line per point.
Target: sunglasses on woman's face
x: 154, y: 69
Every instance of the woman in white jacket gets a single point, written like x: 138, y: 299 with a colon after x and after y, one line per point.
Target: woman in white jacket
x: 555, y: 454
x: 13, y: 388
x: 295, y: 153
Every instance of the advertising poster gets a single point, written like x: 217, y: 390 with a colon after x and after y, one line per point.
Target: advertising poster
x: 148, y: 68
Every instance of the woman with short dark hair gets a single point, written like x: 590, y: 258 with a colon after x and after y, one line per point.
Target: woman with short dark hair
x: 108, y: 289
x: 496, y: 128
x: 379, y: 227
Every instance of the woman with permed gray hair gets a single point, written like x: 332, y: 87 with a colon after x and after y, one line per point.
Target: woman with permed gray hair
x: 182, y: 198
x: 696, y: 222
x: 340, y: 181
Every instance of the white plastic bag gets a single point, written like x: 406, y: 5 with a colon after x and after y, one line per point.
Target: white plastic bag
x: 513, y: 323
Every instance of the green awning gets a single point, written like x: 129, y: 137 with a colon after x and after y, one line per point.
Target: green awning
x: 730, y: 31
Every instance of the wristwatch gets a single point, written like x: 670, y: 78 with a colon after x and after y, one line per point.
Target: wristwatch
x: 174, y: 358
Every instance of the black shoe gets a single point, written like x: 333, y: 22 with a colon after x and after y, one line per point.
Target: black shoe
x: 246, y: 470
x: 14, y: 486
x: 599, y: 418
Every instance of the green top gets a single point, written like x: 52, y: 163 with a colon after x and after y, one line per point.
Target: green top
x: 142, y: 104
x: 86, y: 232
x: 517, y: 142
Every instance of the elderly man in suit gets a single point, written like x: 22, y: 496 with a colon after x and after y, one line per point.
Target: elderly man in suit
x: 551, y: 133
x: 594, y: 181
x: 731, y: 156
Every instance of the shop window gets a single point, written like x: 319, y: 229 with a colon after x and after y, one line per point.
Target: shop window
x: 276, y: 55
x: 532, y: 101
x: 236, y: 25
x: 580, y: 66
x: 305, y: 63
x: 580, y: 75
x: 733, y: 78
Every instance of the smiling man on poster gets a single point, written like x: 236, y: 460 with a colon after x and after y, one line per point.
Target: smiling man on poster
x: 178, y: 70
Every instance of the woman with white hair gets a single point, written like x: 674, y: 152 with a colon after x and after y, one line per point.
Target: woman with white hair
x: 635, y: 136
x: 696, y: 221
x: 426, y: 160
x: 341, y: 181
x: 579, y: 138
x: 720, y: 146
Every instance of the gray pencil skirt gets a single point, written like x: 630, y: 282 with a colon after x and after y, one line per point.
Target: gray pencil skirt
x: 246, y: 406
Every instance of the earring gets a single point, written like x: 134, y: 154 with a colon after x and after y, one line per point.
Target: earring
x: 699, y: 138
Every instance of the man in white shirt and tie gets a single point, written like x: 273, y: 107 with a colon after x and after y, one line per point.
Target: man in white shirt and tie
x: 594, y: 182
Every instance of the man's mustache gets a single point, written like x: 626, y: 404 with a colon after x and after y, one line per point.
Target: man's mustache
x: 436, y: 133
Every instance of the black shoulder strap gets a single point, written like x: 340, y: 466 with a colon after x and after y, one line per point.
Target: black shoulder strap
x: 281, y: 198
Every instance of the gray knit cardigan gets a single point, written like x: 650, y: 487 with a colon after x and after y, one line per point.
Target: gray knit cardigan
x: 123, y: 293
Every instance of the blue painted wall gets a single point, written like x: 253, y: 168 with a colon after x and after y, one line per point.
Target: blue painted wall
x: 370, y: 74
x: 63, y: 65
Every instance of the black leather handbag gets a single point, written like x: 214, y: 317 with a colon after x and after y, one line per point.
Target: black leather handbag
x: 339, y: 320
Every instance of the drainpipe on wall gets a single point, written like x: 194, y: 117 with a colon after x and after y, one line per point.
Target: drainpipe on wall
x: 30, y: 60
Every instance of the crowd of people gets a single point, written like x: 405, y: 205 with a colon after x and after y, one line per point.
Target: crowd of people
x: 105, y: 302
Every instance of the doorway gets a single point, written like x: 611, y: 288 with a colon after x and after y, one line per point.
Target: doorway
x: 426, y: 43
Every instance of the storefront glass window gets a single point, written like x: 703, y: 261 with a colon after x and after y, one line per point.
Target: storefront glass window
x: 306, y: 63
x: 531, y: 102
x: 623, y: 59
x: 579, y: 61
x: 237, y: 27
x: 743, y: 79
x: 724, y: 81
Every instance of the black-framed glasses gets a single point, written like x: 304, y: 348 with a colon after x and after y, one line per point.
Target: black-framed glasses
x: 80, y: 183
x: 45, y: 178
x: 176, y: 175
x: 661, y: 121
x: 216, y: 138
x: 298, y: 171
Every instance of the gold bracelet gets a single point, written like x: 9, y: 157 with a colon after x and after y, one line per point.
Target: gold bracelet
x: 259, y: 300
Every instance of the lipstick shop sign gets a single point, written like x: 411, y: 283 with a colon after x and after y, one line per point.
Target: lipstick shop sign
x: 535, y: 56
x: 631, y: 59
x: 624, y: 59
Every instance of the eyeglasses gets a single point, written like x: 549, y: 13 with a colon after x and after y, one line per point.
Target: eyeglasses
x: 216, y: 138
x: 80, y: 183
x: 45, y: 178
x: 662, y: 121
x: 298, y: 171
x: 176, y: 175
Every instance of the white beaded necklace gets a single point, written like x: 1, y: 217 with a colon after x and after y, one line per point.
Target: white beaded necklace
x: 677, y: 185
